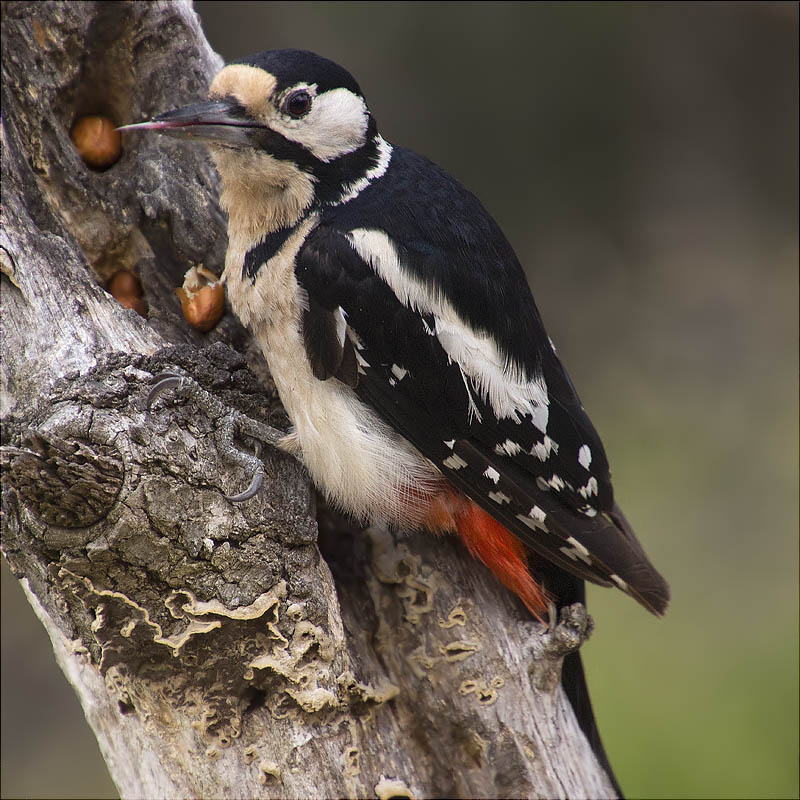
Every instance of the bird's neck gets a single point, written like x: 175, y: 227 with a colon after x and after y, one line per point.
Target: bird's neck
x: 260, y: 193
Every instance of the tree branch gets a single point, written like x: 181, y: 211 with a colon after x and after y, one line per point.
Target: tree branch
x: 215, y: 650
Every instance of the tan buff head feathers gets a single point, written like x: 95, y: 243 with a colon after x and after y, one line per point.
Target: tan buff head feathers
x: 250, y: 86
x: 335, y: 125
x: 248, y: 175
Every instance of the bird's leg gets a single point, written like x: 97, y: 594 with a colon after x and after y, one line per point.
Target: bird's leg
x: 229, y: 422
x: 573, y: 628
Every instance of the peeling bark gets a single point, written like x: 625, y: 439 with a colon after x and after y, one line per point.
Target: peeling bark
x: 260, y: 650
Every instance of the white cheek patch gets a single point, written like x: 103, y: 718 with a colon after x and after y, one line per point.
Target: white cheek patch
x: 336, y: 125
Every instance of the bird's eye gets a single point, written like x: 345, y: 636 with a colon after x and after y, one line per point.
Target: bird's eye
x: 297, y: 104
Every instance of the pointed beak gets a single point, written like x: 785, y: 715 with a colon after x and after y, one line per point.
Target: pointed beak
x: 218, y: 122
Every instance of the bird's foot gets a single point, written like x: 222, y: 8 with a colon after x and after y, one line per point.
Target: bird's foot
x: 573, y: 629
x: 229, y: 423
x: 549, y: 648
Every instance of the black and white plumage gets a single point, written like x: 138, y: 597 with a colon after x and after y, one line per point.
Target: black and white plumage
x: 456, y: 359
x: 400, y: 330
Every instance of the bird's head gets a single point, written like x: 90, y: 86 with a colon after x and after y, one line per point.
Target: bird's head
x: 280, y: 121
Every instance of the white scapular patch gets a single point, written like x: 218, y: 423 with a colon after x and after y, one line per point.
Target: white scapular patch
x: 384, y: 157
x: 451, y: 443
x: 341, y: 325
x: 543, y: 449
x: 399, y: 372
x: 508, y: 448
x: 499, y: 498
x: 335, y: 125
x: 590, y: 489
x: 585, y: 456
x: 454, y: 462
x: 472, y: 407
x: 510, y: 393
x: 541, y: 412
x: 492, y: 474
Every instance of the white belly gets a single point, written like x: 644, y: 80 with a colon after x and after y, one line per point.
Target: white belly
x: 352, y: 455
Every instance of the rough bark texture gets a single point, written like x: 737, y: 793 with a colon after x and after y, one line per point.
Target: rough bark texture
x: 219, y: 650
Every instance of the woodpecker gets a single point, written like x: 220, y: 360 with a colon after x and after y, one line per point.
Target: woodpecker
x: 404, y: 341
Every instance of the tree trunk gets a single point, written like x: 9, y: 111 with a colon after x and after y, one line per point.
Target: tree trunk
x: 264, y: 649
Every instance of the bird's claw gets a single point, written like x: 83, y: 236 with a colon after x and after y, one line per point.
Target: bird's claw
x: 251, y: 491
x: 552, y: 615
x: 229, y: 420
x: 256, y: 482
x: 164, y: 382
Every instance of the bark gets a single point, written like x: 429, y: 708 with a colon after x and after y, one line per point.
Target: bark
x: 258, y: 650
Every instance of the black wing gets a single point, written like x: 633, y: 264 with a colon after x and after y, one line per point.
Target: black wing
x: 551, y: 489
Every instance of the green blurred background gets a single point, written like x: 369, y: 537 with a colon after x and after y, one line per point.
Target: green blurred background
x: 642, y: 159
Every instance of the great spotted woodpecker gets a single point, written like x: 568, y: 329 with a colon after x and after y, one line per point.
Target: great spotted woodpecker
x: 403, y: 338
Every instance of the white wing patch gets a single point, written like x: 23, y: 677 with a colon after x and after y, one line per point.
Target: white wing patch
x: 454, y: 462
x: 341, y: 324
x: 510, y: 393
x: 473, y: 412
x: 577, y: 551
x: 581, y: 549
x: 537, y: 513
x: 508, y: 448
x: 621, y: 583
x: 543, y: 449
x: 534, y: 519
x: 499, y: 498
x: 492, y: 474
x: 585, y: 456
